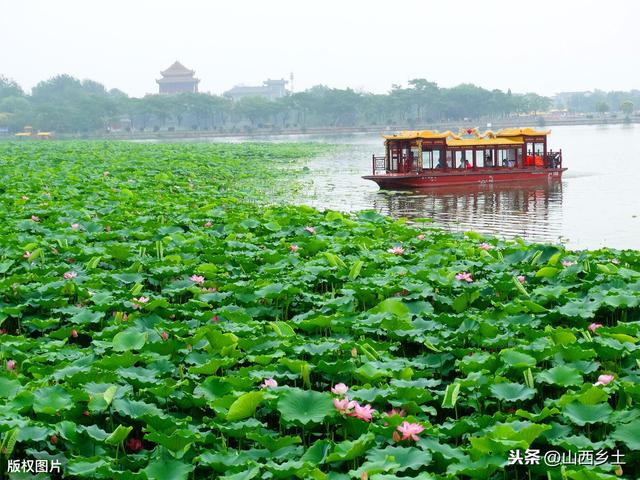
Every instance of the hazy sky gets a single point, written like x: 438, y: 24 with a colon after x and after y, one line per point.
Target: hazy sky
x: 544, y: 46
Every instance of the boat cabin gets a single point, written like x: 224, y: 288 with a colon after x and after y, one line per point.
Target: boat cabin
x: 417, y: 158
x: 426, y: 150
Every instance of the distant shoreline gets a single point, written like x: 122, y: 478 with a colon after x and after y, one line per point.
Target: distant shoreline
x: 268, y: 132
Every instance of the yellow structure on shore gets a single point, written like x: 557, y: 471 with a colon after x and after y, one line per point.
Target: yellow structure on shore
x: 28, y: 133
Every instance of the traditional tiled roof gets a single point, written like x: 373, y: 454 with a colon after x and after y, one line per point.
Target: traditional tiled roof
x: 177, y: 70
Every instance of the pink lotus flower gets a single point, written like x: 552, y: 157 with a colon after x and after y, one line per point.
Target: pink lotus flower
x: 74, y: 333
x: 208, y: 224
x: 604, y: 380
x: 342, y: 405
x: 75, y: 226
x: 199, y: 279
x: 294, y: 248
x: 567, y: 263
x: 69, y: 275
x: 421, y: 237
x: 135, y: 444
x: 362, y: 412
x: 27, y: 254
x: 164, y: 335
x: 396, y: 250
x: 215, y: 319
x: 339, y: 389
x: 594, y: 326
x: 354, y: 352
x: 485, y: 246
x: 464, y: 276
x: 269, y: 383
x: 396, y: 436
x: 125, y: 317
x: 140, y: 301
x: 521, y: 279
x: 11, y: 364
x: 210, y: 289
x: 364, y: 475
x: 311, y: 230
x: 393, y: 412
x: 35, y: 218
x: 24, y: 197
x: 410, y: 430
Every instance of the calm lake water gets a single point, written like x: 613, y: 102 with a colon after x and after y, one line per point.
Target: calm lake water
x: 597, y: 204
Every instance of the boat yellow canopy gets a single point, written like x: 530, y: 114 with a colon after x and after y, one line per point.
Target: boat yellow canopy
x: 514, y: 132
x: 415, y: 134
x: 472, y: 142
x: 481, y: 139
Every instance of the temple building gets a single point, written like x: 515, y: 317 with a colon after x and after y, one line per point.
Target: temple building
x: 271, y: 89
x: 177, y: 79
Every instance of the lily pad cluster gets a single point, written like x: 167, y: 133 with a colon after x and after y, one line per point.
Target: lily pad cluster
x: 164, y: 315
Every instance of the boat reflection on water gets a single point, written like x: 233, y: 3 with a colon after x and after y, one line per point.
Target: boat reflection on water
x: 532, y: 211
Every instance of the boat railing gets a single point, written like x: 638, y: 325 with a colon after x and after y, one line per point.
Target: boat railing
x: 378, y: 164
x: 553, y: 159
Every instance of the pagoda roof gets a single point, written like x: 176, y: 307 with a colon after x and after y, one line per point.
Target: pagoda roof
x: 177, y: 70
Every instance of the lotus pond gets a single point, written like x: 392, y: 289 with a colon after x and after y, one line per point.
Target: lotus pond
x: 164, y: 315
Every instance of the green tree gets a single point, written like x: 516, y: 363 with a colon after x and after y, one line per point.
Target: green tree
x: 626, y: 107
x: 602, y: 107
x: 16, y: 112
x: 255, y: 108
x: 9, y: 88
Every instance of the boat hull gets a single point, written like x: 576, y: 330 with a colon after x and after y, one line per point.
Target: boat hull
x: 433, y: 179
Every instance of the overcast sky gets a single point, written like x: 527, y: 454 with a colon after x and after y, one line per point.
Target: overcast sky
x: 543, y: 46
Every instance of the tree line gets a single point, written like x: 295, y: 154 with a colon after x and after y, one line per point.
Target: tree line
x: 68, y: 105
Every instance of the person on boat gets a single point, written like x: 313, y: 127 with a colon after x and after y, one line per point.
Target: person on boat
x: 487, y: 160
x: 464, y: 163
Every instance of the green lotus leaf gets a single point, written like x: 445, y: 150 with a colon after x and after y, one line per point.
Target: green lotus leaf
x: 512, y: 392
x: 408, y: 458
x: 162, y: 469
x: 50, y: 400
x: 244, y: 406
x: 517, y: 359
x: 85, y: 467
x: 350, y: 449
x: 130, y: 339
x: 561, y: 375
x: 118, y: 435
x: 581, y: 414
x: 304, y: 406
x: 628, y: 434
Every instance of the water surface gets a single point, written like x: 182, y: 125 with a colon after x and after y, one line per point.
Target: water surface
x: 595, y: 205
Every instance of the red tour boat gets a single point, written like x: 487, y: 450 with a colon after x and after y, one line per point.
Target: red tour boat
x: 426, y: 158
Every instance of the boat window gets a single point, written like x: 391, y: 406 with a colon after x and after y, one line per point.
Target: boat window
x: 538, y: 148
x: 458, y: 157
x: 449, y: 161
x: 480, y: 156
x: 506, y: 157
x: 431, y: 159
